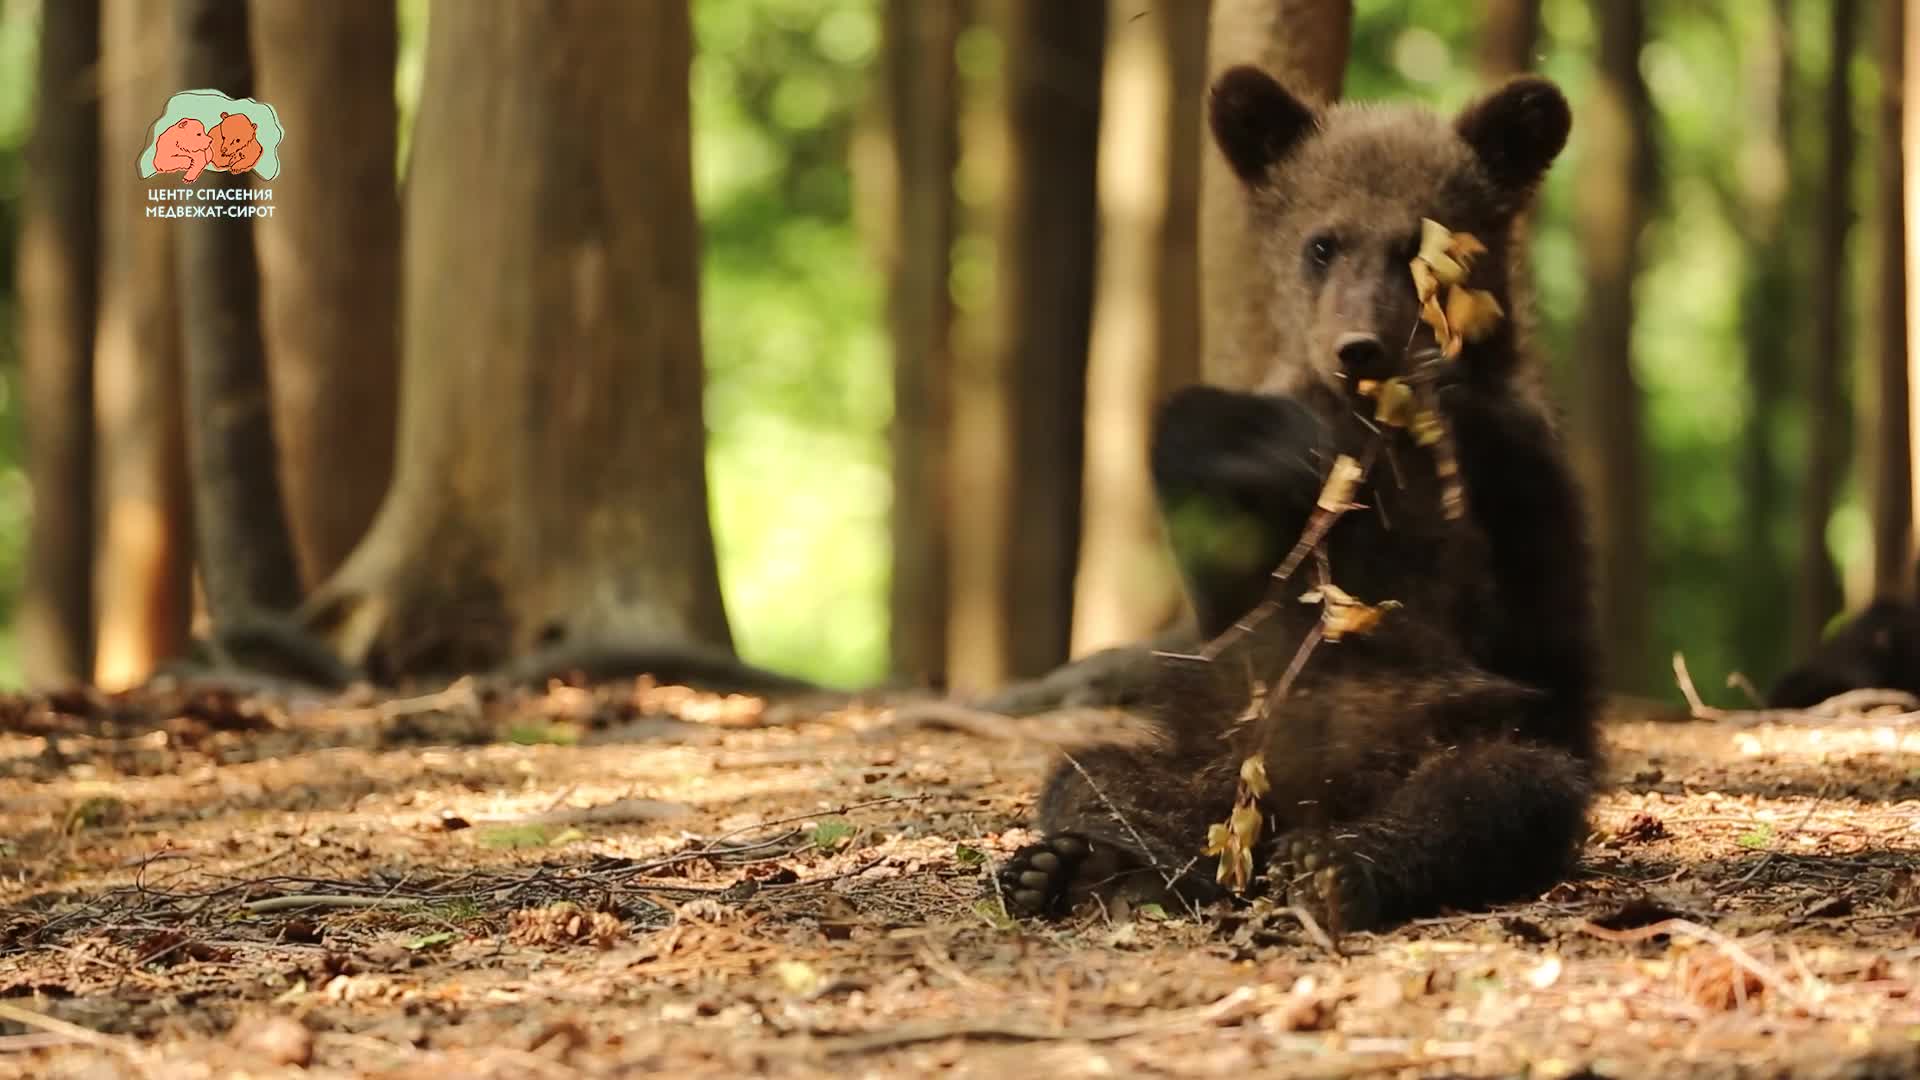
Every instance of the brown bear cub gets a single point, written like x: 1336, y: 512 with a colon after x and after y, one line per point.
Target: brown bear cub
x: 1444, y: 760
x: 1878, y: 649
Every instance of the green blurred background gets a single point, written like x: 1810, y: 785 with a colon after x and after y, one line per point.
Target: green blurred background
x: 796, y: 341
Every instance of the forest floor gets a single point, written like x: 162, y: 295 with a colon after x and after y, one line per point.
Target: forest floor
x: 637, y: 880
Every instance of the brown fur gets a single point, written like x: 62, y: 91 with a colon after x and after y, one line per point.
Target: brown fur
x: 1447, y: 758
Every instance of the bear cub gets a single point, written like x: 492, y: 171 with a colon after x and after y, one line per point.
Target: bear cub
x: 1877, y: 649
x: 1446, y: 759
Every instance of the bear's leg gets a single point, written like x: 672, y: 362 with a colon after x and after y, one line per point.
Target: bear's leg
x: 1479, y: 824
x: 1236, y: 476
x: 1119, y: 818
x: 1523, y: 496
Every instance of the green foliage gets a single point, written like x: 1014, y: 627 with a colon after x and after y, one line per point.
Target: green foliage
x: 799, y: 391
x: 828, y: 835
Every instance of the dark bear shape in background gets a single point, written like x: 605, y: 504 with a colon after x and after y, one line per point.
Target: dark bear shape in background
x: 1878, y: 649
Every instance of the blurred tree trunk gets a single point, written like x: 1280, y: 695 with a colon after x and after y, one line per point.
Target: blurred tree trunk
x: 1146, y: 314
x: 550, y: 488
x: 1509, y: 36
x: 1910, y: 184
x: 1015, y: 551
x: 330, y: 269
x: 245, y: 559
x: 1893, y: 532
x: 1768, y: 304
x: 1612, y: 201
x: 142, y: 569
x: 58, y: 261
x: 1827, y: 436
x: 923, y: 110
x: 1304, y: 43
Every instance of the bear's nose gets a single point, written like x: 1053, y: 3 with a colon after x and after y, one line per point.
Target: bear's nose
x: 1361, y: 354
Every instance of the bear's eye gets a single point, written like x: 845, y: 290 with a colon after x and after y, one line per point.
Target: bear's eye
x: 1321, y: 250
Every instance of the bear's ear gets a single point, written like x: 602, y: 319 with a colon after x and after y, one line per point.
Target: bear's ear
x: 223, y: 116
x: 1517, y: 130
x: 1256, y: 121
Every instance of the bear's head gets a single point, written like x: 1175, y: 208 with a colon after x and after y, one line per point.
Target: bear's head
x: 233, y: 133
x: 189, y: 135
x: 1337, y: 195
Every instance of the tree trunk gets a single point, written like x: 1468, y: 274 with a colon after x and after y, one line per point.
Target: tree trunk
x: 1304, y: 43
x: 330, y: 269
x: 1768, y: 305
x: 1146, y: 313
x: 551, y: 484
x: 246, y: 562
x: 1910, y: 184
x: 1827, y: 435
x: 58, y: 261
x: 1509, y: 35
x: 1014, y: 560
x: 1611, y: 211
x: 142, y: 570
x: 1893, y: 503
x: 923, y: 98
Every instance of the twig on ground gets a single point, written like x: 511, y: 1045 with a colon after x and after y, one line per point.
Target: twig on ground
x: 53, y: 1026
x: 1146, y: 850
x: 909, y: 1034
x: 1313, y: 930
x: 1768, y: 977
x: 1851, y: 705
x: 1773, y: 851
x: 460, y: 696
x: 324, y: 900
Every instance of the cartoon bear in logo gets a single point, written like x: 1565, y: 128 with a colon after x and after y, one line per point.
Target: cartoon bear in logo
x: 184, y: 148
x: 235, y: 148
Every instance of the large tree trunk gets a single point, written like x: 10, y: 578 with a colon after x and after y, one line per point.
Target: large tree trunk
x: 1910, y: 183
x: 1509, y: 35
x: 1146, y: 314
x: 923, y: 99
x: 330, y: 269
x: 59, y: 247
x: 246, y: 561
x: 1828, y: 360
x: 142, y: 569
x: 1613, y: 198
x: 551, y: 484
x: 1304, y: 43
x: 1768, y: 305
x: 1893, y: 441
x: 1014, y: 561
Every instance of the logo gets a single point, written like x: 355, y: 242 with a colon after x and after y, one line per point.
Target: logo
x: 205, y: 131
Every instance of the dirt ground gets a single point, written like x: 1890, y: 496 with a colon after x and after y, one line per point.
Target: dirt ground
x: 642, y: 880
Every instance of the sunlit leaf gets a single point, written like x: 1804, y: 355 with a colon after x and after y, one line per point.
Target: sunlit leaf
x: 1425, y: 284
x: 1465, y: 248
x: 1395, y: 405
x: 1426, y: 428
x: 1253, y: 773
x: 1337, y: 496
x: 1473, y: 313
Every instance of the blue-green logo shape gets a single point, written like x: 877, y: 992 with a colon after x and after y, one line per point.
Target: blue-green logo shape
x: 195, y: 141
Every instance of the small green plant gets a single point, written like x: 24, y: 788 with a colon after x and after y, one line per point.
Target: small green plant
x: 542, y: 735
x: 994, y: 912
x: 432, y: 941
x: 1759, y: 837
x: 967, y: 856
x: 828, y: 835
x: 509, y: 837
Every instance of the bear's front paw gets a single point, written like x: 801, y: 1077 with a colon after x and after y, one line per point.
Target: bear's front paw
x: 1035, y: 882
x: 1317, y: 873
